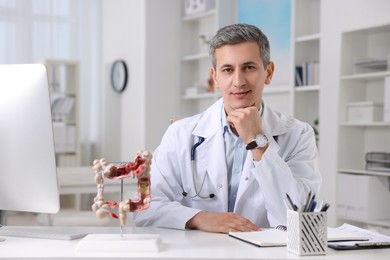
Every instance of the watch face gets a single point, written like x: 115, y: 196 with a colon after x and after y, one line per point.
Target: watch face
x: 119, y: 75
x: 261, y: 140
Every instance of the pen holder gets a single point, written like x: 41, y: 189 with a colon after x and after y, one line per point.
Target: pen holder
x: 307, y: 232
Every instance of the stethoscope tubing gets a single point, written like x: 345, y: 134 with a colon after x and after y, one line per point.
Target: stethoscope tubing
x: 197, y: 192
x: 193, y: 149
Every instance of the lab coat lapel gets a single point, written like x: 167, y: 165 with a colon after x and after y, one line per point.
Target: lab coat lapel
x: 211, y: 154
x: 274, y: 124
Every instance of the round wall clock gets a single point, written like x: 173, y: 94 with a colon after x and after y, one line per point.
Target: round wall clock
x: 119, y: 75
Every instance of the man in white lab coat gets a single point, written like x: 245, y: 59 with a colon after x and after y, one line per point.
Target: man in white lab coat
x: 230, y: 167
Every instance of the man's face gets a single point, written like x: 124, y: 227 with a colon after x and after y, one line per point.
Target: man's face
x: 240, y: 75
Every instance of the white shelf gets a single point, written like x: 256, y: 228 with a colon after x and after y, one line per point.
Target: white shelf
x: 195, y: 61
x: 307, y: 88
x: 364, y: 172
x: 276, y: 89
x: 306, y: 44
x: 362, y: 83
x: 202, y: 96
x: 366, y: 76
x: 373, y: 124
x: 63, y: 76
x: 196, y: 57
x: 307, y: 38
x: 198, y: 16
x: 375, y: 222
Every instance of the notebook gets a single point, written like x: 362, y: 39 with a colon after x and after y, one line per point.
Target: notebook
x: 278, y: 236
x: 263, y: 238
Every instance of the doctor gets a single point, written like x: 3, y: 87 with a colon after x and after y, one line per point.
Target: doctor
x: 230, y: 167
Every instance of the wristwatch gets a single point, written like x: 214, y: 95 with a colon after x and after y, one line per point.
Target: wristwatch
x: 260, y: 141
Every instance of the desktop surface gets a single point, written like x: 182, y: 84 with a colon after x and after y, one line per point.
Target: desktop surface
x: 176, y: 244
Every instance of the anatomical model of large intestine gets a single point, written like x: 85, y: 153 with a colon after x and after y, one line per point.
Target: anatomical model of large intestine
x: 139, y: 169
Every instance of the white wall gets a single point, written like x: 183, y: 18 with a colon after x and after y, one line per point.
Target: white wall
x: 145, y: 35
x: 163, y: 67
x: 338, y: 16
x: 118, y: 33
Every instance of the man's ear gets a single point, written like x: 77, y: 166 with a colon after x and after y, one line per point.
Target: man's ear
x: 270, y: 72
x: 213, y: 74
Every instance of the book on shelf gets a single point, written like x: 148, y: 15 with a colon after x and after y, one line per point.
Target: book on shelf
x: 61, y: 107
x: 386, y: 108
x: 298, y: 76
x: 307, y: 74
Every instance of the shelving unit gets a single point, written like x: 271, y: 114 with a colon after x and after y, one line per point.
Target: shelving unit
x: 361, y: 82
x: 300, y: 101
x: 195, y: 62
x: 63, y: 78
x: 306, y: 31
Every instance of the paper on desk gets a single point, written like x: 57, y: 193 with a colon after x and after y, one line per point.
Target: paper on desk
x: 276, y: 237
x: 373, y: 237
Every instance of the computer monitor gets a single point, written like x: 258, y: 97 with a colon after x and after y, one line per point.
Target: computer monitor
x: 28, y: 174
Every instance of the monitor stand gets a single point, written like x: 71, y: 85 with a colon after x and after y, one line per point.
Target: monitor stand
x: 2, y: 222
x: 2, y: 218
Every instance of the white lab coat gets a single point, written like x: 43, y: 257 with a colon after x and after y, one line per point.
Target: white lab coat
x: 289, y: 165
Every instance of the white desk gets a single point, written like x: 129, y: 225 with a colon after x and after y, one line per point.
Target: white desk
x: 177, y: 244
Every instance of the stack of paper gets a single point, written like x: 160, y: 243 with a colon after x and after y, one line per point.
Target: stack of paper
x: 374, y: 240
x: 276, y: 237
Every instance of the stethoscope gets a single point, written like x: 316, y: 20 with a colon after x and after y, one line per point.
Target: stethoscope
x: 193, y: 151
x: 197, y: 192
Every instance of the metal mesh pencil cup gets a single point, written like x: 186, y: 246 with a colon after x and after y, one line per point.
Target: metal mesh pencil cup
x: 307, y: 233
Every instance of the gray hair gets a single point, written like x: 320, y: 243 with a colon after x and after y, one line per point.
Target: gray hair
x: 238, y: 33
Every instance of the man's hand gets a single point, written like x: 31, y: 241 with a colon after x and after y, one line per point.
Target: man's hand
x: 247, y: 122
x: 220, y: 222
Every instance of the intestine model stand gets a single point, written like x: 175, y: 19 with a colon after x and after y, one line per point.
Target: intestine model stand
x: 139, y: 169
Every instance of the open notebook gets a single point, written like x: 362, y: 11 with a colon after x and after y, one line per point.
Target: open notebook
x: 278, y: 237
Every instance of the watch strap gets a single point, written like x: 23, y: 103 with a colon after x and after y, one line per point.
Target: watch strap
x: 260, y: 141
x: 251, y: 145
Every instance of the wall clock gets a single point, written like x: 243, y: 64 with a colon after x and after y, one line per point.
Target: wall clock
x: 119, y: 75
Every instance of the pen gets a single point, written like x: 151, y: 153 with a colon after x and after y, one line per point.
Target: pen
x: 293, y: 206
x: 313, y: 206
x: 307, y: 202
x: 308, y: 207
x: 325, y: 207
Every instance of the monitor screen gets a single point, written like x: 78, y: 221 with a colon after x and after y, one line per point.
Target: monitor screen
x: 28, y: 174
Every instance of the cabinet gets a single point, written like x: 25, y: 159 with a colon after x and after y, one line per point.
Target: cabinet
x: 197, y: 28
x: 364, y: 69
x: 306, y: 60
x: 63, y: 76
